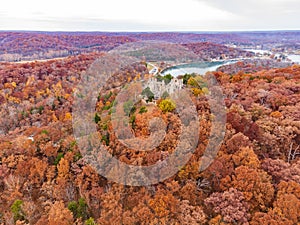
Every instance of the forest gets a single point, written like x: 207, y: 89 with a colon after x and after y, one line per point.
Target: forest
x: 255, y: 178
x: 20, y: 46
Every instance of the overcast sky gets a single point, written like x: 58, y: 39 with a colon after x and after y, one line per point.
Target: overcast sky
x: 154, y: 15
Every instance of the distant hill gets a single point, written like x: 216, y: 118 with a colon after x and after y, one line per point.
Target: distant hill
x: 19, y: 46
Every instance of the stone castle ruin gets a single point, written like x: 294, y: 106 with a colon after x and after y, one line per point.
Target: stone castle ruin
x: 158, y: 88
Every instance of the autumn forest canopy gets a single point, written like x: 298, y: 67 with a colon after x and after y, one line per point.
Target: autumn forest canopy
x: 254, y: 178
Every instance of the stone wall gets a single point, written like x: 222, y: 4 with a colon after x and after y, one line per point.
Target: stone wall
x: 159, y: 87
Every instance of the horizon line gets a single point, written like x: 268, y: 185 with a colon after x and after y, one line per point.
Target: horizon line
x: 155, y: 31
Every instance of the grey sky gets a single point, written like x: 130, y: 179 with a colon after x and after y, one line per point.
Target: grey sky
x: 155, y: 15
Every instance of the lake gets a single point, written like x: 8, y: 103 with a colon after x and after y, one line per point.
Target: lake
x: 199, y: 68
x: 258, y: 51
x: 294, y: 58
